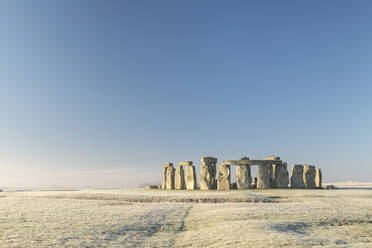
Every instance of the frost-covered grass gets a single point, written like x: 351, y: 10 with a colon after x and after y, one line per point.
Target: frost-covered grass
x: 156, y: 218
x: 158, y: 195
x: 307, y: 219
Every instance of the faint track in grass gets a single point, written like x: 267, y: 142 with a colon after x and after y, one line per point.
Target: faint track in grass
x: 172, y: 230
x: 182, y: 226
x: 155, y: 228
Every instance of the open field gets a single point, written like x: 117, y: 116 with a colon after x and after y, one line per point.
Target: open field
x: 155, y: 218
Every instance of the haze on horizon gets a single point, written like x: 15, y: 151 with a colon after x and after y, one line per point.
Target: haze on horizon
x: 101, y: 93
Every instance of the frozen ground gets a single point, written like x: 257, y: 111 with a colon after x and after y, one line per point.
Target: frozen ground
x: 155, y: 218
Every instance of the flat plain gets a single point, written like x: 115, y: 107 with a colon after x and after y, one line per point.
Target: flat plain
x: 169, y: 218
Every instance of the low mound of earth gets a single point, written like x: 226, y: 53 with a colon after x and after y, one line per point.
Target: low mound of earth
x: 169, y: 196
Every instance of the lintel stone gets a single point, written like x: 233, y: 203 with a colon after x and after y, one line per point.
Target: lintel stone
x: 250, y: 162
x: 185, y: 163
x: 168, y: 164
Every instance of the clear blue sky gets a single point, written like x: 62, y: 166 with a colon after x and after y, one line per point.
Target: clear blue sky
x: 99, y: 93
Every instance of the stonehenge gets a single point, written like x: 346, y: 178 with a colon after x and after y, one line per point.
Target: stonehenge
x: 264, y: 177
x: 190, y: 177
x: 271, y: 173
x: 224, y: 176
x: 309, y: 176
x: 179, y: 178
x: 208, y: 173
x: 168, y: 176
x: 243, y: 176
x: 297, y: 180
x: 164, y: 182
x: 318, y: 178
x: 165, y: 175
x: 279, y: 173
x: 306, y: 176
x: 280, y: 176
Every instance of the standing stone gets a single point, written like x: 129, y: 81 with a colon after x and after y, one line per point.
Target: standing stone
x: 297, y: 179
x: 273, y: 167
x: 224, y: 176
x: 264, y: 176
x: 243, y: 176
x: 207, y: 178
x: 190, y: 177
x: 164, y: 182
x: 318, y: 178
x: 170, y: 177
x: 255, y: 183
x: 280, y: 175
x: 309, y: 176
x: 179, y: 178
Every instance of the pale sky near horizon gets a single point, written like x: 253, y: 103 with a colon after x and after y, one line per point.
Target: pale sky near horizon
x: 101, y: 93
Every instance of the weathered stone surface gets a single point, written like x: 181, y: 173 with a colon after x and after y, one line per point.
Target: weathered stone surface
x: 274, y: 161
x: 309, y: 176
x: 318, y: 178
x: 243, y: 176
x: 185, y: 163
x: 250, y: 162
x: 224, y: 176
x: 190, y: 177
x: 164, y: 182
x: 272, y: 158
x: 170, y: 177
x: 207, y: 178
x: 297, y: 180
x: 280, y: 177
x: 264, y: 176
x: 179, y: 178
